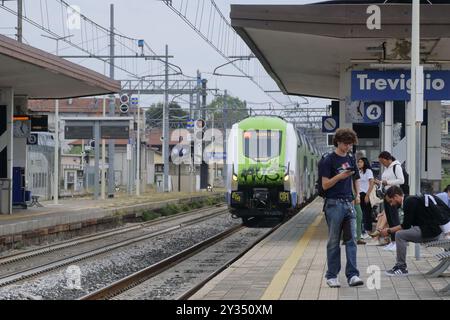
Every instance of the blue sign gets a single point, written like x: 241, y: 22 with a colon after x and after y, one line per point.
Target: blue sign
x: 134, y: 100
x: 190, y: 123
x: 212, y: 156
x: 330, y: 124
x: 396, y: 85
x: 373, y: 112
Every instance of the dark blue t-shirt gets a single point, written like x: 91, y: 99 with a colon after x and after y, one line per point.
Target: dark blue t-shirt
x: 331, y: 166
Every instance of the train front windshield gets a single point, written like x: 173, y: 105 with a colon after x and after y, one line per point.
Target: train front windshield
x: 262, y: 145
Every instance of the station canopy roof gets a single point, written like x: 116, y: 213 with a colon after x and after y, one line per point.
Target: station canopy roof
x: 41, y: 75
x: 302, y: 47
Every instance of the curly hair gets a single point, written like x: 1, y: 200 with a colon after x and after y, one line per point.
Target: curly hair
x: 345, y: 135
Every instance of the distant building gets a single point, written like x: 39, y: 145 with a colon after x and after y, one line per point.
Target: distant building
x: 77, y: 170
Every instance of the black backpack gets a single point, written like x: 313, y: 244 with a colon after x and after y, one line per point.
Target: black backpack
x: 405, y: 185
x: 319, y: 187
x: 436, y: 209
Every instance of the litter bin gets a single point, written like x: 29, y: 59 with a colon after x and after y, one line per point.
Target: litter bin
x: 27, y: 195
x: 5, y: 195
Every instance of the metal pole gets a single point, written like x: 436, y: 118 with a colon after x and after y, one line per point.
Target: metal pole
x: 213, y: 140
x: 204, y: 83
x: 56, y: 159
x: 112, y: 110
x: 199, y: 82
x: 192, y: 165
x: 166, y: 124
x: 179, y: 177
x: 225, y: 127
x: 129, y: 156
x: 104, y: 156
x: 412, y: 139
x: 138, y: 163
x: 204, y: 171
x: 19, y: 20
x: 131, y: 168
x: 84, y: 166
x: 191, y: 99
x: 97, y: 159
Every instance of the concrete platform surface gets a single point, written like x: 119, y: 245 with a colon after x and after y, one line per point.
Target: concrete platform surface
x: 291, y: 263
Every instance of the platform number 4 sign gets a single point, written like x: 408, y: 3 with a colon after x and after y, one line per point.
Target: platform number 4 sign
x: 373, y: 112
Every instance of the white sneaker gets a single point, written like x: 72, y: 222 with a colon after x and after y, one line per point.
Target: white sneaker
x: 365, y: 236
x: 393, y: 247
x: 355, y: 281
x: 333, y: 283
x: 388, y: 247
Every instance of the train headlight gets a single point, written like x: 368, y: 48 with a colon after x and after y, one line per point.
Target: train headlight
x: 235, y: 177
x: 286, y: 178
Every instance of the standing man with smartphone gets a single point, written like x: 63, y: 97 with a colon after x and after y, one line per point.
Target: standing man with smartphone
x: 336, y: 171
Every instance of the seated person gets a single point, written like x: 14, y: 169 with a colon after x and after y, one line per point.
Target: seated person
x: 417, y: 226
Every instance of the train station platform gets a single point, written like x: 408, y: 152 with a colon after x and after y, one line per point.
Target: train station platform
x: 290, y: 264
x: 77, y: 213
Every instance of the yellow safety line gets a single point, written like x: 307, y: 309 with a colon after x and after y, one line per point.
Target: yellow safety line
x: 279, y: 281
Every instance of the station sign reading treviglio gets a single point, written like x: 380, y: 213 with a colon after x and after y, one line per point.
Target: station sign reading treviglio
x: 396, y: 85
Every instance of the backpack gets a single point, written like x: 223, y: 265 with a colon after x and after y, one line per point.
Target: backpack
x: 405, y: 185
x: 436, y: 209
x: 319, y: 187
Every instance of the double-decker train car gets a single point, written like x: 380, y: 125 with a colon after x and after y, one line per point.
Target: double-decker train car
x: 271, y: 168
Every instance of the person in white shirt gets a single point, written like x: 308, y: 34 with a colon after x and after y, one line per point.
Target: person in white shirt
x: 366, y: 184
x: 390, y: 178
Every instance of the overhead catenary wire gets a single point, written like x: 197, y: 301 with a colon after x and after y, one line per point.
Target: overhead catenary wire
x: 223, y: 39
x: 85, y: 41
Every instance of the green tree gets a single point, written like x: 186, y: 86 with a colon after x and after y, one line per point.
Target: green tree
x: 236, y: 110
x: 74, y: 150
x: 154, y: 115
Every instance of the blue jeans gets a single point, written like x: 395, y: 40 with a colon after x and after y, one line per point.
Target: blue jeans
x: 340, y: 214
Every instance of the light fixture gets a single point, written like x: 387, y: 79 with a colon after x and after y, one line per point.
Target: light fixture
x: 400, y: 65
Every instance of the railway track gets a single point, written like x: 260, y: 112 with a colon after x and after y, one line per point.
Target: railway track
x: 145, y: 274
x: 98, y: 235
x: 13, y: 277
x: 189, y: 293
x: 173, y: 261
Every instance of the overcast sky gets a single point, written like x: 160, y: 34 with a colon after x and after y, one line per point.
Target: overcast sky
x: 153, y: 21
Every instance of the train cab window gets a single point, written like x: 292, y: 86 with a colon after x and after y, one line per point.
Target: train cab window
x: 262, y: 145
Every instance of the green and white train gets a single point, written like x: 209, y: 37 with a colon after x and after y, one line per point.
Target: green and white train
x: 271, y: 168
